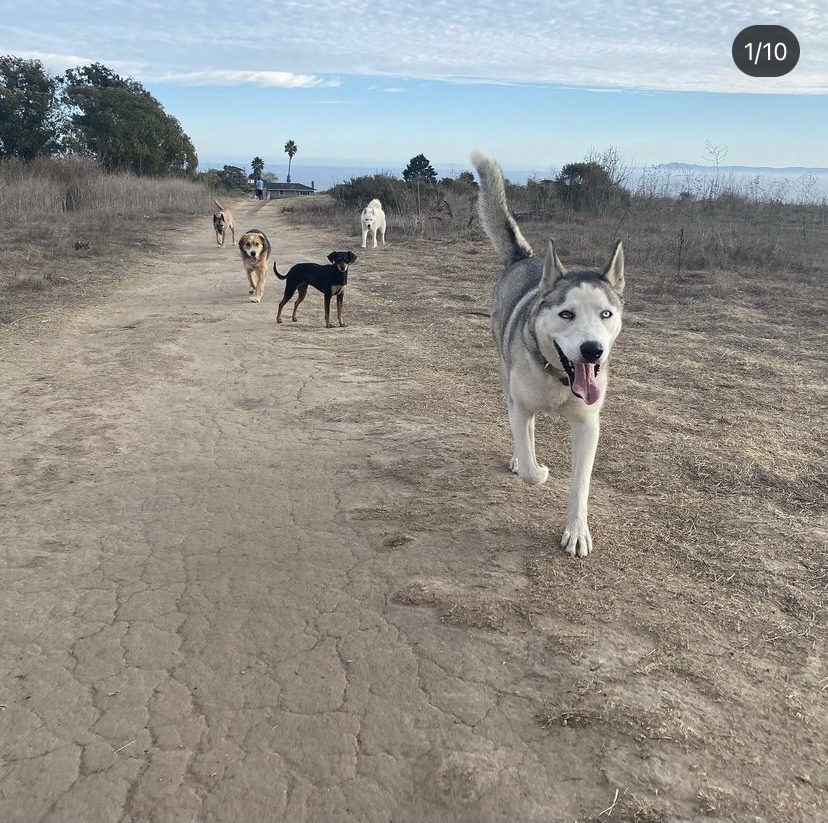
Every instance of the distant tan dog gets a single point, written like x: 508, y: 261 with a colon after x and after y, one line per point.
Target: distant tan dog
x: 255, y: 251
x: 222, y: 221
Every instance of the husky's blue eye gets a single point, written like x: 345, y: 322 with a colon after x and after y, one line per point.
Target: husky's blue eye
x: 566, y: 315
x: 606, y: 314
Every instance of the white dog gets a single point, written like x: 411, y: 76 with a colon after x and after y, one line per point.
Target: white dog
x: 373, y: 221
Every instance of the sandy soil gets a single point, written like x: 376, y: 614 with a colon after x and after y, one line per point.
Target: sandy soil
x: 258, y: 572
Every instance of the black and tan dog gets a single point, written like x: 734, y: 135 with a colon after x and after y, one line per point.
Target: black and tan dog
x: 255, y: 252
x: 330, y: 280
x: 222, y: 221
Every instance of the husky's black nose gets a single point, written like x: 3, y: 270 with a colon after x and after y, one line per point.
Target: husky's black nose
x: 591, y: 351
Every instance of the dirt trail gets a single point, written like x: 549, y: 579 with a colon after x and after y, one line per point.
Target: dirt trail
x: 196, y: 627
x: 261, y: 573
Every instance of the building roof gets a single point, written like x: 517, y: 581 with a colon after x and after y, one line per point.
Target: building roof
x: 287, y: 186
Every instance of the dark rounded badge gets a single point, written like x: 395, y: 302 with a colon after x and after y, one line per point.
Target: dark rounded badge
x: 765, y: 51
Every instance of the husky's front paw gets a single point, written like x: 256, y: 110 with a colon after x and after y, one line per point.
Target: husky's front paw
x: 530, y: 476
x: 534, y: 477
x: 576, y: 540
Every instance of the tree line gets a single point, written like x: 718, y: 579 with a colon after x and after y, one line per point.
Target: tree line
x: 89, y: 111
x: 591, y: 185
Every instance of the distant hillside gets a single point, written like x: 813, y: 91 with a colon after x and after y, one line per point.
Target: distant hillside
x: 693, y: 167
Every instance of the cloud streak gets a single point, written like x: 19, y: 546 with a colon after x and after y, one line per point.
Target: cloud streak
x: 264, y: 79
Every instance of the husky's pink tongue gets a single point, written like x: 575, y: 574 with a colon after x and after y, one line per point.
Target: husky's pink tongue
x: 584, y: 384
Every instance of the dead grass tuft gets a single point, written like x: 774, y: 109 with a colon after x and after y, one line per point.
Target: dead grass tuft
x: 463, y: 608
x: 637, y: 722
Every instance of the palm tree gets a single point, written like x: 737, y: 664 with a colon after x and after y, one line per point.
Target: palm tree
x: 290, y: 149
x: 258, y: 166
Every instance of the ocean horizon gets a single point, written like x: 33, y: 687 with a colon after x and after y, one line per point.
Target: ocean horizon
x: 793, y: 184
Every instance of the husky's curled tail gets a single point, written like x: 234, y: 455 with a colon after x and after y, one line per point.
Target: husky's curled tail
x: 495, y: 217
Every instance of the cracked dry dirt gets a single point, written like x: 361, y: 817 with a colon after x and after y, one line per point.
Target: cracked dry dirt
x: 228, y: 595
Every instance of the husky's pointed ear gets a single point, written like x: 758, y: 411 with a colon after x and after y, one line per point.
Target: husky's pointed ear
x: 553, y: 269
x: 614, y: 272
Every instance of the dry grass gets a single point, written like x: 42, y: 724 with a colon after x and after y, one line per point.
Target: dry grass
x: 462, y: 608
x: 705, y: 603
x: 680, y: 237
x: 68, y: 229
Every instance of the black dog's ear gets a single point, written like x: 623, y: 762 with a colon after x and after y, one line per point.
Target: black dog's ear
x: 332, y: 256
x: 241, y: 240
x: 351, y: 257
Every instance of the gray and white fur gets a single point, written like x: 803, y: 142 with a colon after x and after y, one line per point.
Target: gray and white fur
x: 554, y: 329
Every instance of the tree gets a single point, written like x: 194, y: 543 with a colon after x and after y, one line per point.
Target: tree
x: 540, y: 194
x: 358, y: 191
x: 587, y: 186
x: 419, y: 169
x: 212, y: 177
x: 232, y: 177
x: 290, y: 150
x: 464, y: 182
x: 122, y: 125
x: 30, y: 116
x: 257, y: 164
x: 466, y: 178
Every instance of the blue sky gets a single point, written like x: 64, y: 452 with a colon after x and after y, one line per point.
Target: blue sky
x: 536, y: 84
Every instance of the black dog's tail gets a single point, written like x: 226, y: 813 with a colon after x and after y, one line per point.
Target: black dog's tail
x: 276, y: 272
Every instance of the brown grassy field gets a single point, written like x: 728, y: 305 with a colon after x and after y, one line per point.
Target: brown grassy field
x: 69, y: 231
x: 695, y: 634
x: 698, y: 631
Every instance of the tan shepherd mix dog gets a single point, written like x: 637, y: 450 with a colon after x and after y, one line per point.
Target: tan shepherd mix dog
x: 222, y: 221
x: 255, y: 252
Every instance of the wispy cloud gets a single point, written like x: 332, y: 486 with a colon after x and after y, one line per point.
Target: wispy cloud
x: 276, y: 79
x: 60, y: 62
x: 212, y: 77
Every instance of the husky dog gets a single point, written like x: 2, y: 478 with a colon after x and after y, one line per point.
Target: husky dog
x: 554, y: 329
